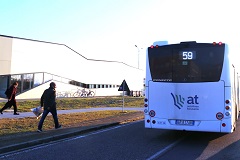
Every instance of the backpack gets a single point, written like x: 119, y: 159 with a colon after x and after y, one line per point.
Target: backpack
x: 7, y: 92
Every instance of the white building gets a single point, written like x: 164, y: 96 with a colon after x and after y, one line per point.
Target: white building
x: 34, y: 64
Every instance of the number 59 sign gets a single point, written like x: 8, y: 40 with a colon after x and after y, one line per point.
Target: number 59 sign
x: 187, y: 55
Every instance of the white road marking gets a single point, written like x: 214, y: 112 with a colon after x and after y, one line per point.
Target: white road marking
x: 166, y: 149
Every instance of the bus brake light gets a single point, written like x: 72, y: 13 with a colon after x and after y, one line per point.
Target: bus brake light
x: 227, y: 101
x: 227, y: 107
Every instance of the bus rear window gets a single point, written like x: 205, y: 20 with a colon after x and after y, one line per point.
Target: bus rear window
x: 196, y: 62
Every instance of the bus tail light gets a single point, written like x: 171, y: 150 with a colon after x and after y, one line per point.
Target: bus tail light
x: 224, y: 124
x: 227, y: 107
x: 227, y: 101
x: 145, y: 100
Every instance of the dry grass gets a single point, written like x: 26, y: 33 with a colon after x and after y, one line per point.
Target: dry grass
x: 28, y: 124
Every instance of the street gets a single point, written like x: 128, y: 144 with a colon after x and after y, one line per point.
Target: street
x: 132, y: 141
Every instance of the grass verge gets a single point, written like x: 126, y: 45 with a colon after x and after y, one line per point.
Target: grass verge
x: 29, y: 124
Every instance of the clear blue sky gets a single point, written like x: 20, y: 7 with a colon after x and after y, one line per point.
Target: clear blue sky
x: 110, y: 29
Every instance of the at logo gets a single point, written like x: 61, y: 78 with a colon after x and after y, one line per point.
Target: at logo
x: 179, y: 100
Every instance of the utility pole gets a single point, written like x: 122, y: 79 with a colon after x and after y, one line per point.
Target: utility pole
x: 138, y: 53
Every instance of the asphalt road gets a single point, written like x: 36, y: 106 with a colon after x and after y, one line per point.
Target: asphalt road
x: 123, y: 142
x: 132, y: 141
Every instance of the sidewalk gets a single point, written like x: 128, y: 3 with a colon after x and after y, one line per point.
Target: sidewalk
x: 14, y: 142
x: 9, y: 113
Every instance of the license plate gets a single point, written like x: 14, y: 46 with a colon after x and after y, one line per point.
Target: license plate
x: 184, y: 122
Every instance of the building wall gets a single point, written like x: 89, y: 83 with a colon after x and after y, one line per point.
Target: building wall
x: 33, y: 56
x: 5, y: 55
x: 60, y: 60
x: 28, y: 56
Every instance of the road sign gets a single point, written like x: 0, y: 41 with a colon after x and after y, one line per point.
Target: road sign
x: 124, y: 86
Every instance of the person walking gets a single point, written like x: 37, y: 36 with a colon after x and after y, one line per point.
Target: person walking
x: 48, y: 101
x: 11, y: 94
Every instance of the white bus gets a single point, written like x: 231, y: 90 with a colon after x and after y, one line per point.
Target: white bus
x: 191, y: 86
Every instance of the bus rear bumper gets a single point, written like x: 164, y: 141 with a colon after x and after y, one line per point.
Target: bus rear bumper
x: 204, y: 125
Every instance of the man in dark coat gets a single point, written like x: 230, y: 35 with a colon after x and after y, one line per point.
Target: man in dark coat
x: 11, y: 94
x: 48, y: 100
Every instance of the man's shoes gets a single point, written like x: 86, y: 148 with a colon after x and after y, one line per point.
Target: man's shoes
x: 15, y: 113
x: 60, y: 126
x: 39, y: 130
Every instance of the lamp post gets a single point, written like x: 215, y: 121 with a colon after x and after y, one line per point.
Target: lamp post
x: 138, y: 53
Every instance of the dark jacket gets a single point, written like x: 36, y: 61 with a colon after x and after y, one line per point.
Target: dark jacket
x: 48, y: 99
x: 12, y: 92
